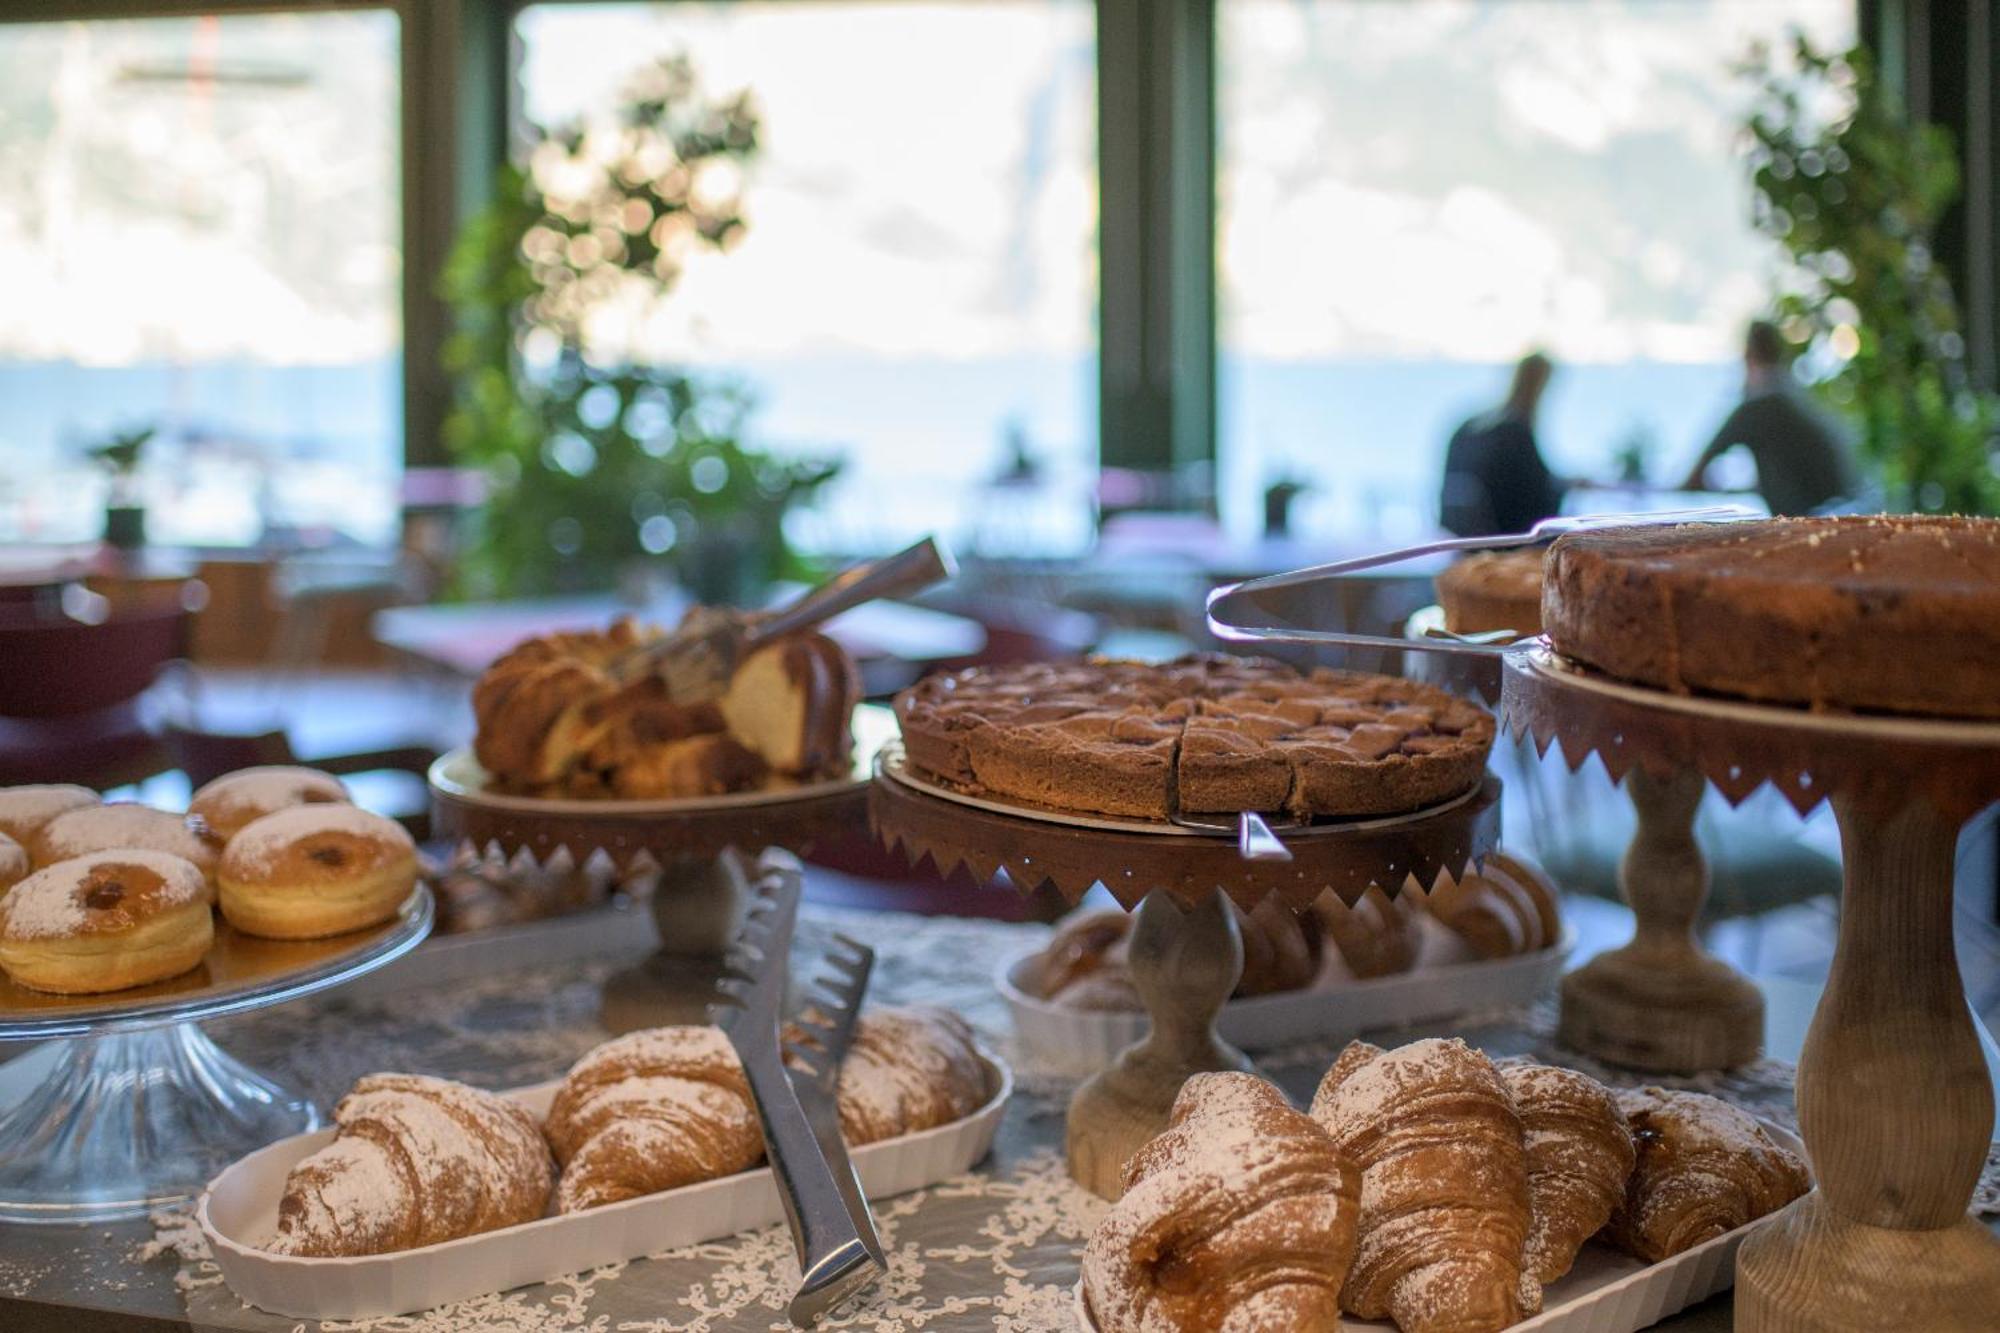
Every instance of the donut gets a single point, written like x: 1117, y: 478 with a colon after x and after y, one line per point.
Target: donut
x: 106, y: 921
x: 25, y: 809
x: 121, y: 827
x: 13, y: 864
x: 315, y: 870
x: 235, y: 799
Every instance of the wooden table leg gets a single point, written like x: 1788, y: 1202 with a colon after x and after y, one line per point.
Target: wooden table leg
x: 698, y: 907
x: 1184, y: 965
x: 1662, y: 1002
x: 1895, y: 1106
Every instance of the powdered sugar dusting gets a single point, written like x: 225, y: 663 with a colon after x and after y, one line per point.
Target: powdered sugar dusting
x: 254, y: 792
x: 54, y: 903
x: 259, y: 846
x: 102, y: 828
x: 25, y: 809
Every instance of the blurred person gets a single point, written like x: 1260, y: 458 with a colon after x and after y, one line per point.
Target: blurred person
x: 1495, y: 479
x: 1803, y: 460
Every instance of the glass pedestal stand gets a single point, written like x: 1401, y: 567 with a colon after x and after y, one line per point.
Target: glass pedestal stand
x: 132, y: 1106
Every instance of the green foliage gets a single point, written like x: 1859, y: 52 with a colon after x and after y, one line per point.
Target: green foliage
x: 120, y: 454
x: 596, y: 462
x: 1854, y: 191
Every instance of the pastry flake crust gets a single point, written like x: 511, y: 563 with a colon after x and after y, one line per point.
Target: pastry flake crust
x: 1704, y: 1169
x: 1206, y: 734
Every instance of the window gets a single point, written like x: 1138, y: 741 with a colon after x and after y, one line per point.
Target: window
x: 1411, y: 195
x: 199, y: 234
x: 916, y: 289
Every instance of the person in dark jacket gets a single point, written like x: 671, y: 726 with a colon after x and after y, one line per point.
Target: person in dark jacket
x: 1495, y: 479
x: 1803, y: 460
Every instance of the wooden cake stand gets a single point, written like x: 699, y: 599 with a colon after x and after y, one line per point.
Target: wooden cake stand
x: 697, y: 846
x: 1186, y: 954
x: 1895, y: 1103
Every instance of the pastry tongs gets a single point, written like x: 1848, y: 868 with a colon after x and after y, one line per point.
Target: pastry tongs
x: 1228, y: 603
x: 838, y: 1250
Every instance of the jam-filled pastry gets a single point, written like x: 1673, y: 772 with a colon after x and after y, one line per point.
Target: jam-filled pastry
x: 1704, y: 1169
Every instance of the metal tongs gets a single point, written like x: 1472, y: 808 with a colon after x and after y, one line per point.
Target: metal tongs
x: 839, y: 1253
x: 1226, y: 616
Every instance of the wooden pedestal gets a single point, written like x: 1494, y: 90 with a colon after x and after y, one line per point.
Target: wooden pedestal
x: 1185, y: 963
x: 1895, y: 1105
x: 698, y: 908
x: 1662, y: 1002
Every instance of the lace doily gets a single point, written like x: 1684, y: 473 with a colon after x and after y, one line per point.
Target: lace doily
x: 994, y: 1249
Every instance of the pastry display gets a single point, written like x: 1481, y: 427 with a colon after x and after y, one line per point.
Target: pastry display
x: 906, y: 1070
x: 315, y: 870
x: 23, y: 810
x: 233, y: 800
x: 414, y: 1161
x: 652, y: 1110
x: 1377, y: 937
x: 1493, y: 590
x: 1580, y: 1155
x: 1241, y: 1216
x: 1444, y: 1184
x: 1897, y: 615
x: 1704, y: 1169
x: 1508, y: 907
x: 1204, y: 734
x: 106, y: 921
x: 589, y: 715
x: 14, y: 864
x: 107, y: 828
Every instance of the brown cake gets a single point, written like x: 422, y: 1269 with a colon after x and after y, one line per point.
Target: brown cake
x: 581, y: 715
x: 1493, y: 590
x: 1217, y: 734
x: 1896, y: 615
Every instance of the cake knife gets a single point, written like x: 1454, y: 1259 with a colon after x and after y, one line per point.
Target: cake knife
x: 835, y: 1260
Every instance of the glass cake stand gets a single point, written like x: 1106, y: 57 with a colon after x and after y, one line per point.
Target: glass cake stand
x: 130, y: 1105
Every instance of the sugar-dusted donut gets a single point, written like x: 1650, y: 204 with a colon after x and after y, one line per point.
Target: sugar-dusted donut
x: 315, y: 870
x: 23, y: 810
x: 106, y: 921
x: 236, y: 799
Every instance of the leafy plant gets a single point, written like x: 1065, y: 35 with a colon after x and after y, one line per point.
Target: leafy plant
x: 1853, y: 190
x: 595, y: 459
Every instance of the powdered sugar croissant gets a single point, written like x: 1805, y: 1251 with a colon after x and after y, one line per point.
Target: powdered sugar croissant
x: 1239, y: 1217
x: 1444, y: 1204
x: 906, y: 1070
x: 1705, y: 1168
x: 415, y: 1161
x: 1579, y: 1156
x: 652, y: 1110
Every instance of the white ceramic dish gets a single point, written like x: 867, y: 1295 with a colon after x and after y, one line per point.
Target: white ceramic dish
x: 1610, y: 1292
x: 239, y: 1210
x: 1443, y: 985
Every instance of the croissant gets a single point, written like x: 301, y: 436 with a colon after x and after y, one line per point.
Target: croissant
x: 1239, y: 1217
x: 1281, y: 948
x: 1704, y: 1169
x: 414, y: 1161
x: 1579, y: 1156
x: 906, y: 1070
x: 1444, y: 1205
x: 1507, y: 908
x: 1377, y: 937
x: 651, y: 1110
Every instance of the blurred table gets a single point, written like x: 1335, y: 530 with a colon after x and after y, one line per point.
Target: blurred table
x: 891, y: 641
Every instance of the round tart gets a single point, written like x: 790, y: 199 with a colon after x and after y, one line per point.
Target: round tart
x: 1898, y: 615
x: 315, y: 870
x: 105, y: 922
x: 23, y: 810
x: 1207, y: 734
x: 236, y: 799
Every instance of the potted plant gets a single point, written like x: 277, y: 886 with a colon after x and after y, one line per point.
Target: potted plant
x: 124, y: 508
x: 600, y: 462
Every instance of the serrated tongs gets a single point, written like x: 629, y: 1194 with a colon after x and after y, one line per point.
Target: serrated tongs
x: 838, y: 1252
x: 1228, y: 605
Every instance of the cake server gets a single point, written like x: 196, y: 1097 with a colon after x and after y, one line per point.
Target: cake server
x: 835, y: 1259
x: 825, y: 1031
x: 694, y: 664
x: 1225, y: 617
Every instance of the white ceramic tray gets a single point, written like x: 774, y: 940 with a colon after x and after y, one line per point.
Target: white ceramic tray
x: 1611, y: 1292
x: 1444, y: 984
x: 239, y: 1211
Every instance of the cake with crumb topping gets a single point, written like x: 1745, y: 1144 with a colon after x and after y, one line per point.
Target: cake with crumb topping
x: 1493, y: 590
x: 1203, y: 735
x: 1871, y: 614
